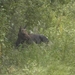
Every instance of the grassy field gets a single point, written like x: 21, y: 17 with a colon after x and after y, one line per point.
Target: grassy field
x: 42, y: 60
x: 56, y: 58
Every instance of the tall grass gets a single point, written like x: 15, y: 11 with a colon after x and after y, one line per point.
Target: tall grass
x: 56, y: 58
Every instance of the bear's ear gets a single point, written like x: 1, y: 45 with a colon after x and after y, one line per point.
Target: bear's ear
x: 20, y: 28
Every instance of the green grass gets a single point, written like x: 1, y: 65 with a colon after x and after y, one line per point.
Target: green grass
x: 39, y: 60
x: 56, y: 58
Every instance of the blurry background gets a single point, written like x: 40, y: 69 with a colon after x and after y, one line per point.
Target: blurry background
x: 53, y: 18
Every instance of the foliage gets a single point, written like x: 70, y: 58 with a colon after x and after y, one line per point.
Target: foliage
x: 54, y: 19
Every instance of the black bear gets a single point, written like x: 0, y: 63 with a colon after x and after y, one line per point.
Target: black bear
x: 24, y: 36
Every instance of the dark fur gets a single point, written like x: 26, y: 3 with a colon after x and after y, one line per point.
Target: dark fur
x: 23, y: 36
